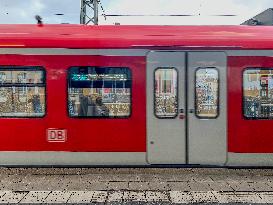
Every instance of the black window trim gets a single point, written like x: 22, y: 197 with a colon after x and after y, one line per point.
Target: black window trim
x: 177, y: 92
x: 243, y: 92
x: 26, y: 68
x: 218, y: 93
x: 99, y: 117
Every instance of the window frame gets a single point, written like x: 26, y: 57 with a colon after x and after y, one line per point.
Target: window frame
x: 218, y: 94
x: 27, y: 68
x: 243, y: 92
x: 177, y: 93
x: 99, y: 117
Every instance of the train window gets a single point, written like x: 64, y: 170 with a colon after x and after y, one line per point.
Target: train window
x: 22, y: 92
x: 99, y: 92
x: 165, y: 86
x: 258, y: 93
x: 206, y: 92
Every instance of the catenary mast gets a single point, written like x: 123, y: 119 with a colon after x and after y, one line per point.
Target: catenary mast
x: 89, y: 12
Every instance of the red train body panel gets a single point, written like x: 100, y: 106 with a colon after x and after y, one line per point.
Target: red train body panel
x: 128, y: 140
x: 82, y: 36
x: 85, y: 135
x: 244, y: 135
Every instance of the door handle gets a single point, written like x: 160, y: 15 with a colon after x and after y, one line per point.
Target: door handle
x: 181, y: 114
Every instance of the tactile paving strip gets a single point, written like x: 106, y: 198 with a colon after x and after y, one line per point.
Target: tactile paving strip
x: 134, y: 197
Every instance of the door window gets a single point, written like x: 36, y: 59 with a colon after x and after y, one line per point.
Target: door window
x: 206, y: 92
x: 165, y: 86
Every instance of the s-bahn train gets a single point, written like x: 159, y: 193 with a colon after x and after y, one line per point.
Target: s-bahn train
x: 136, y: 95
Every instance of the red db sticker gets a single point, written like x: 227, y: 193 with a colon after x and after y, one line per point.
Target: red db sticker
x: 56, y: 135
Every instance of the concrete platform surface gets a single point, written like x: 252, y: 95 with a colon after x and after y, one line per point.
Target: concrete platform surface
x: 135, y: 185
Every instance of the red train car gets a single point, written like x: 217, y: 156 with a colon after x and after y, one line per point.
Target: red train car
x: 136, y: 95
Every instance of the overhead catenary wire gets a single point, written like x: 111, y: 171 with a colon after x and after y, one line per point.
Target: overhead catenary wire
x: 158, y: 15
x: 102, y: 8
x: 95, y: 5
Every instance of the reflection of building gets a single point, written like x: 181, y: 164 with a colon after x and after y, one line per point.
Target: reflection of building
x: 166, y: 81
x: 264, y: 86
x: 264, y: 19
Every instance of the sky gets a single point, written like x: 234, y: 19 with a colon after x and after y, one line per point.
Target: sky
x: 204, y: 12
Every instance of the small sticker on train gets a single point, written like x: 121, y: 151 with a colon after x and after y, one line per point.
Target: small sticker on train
x: 56, y: 135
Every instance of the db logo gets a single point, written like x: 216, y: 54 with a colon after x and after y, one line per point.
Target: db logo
x: 56, y: 135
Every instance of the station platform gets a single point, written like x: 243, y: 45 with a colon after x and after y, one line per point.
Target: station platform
x: 135, y: 185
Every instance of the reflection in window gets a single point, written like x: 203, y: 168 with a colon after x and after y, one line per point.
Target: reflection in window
x: 99, y: 92
x: 258, y: 93
x: 22, y: 92
x: 165, y: 92
x: 206, y: 92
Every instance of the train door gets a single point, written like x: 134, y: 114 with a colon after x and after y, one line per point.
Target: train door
x: 166, y: 136
x: 207, y: 141
x: 186, y: 107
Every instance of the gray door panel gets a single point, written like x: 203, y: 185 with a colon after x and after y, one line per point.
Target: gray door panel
x: 207, y: 141
x: 165, y: 137
x: 206, y: 138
